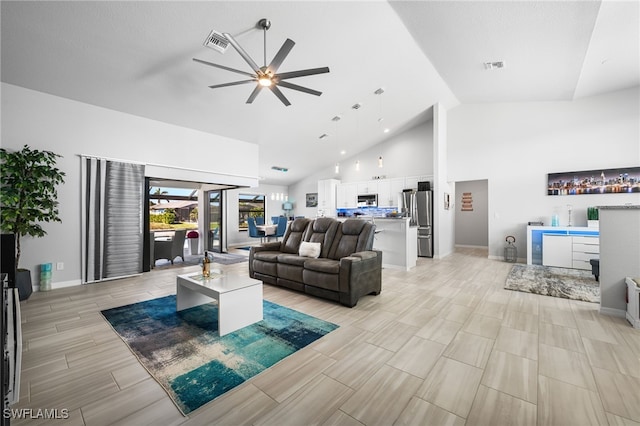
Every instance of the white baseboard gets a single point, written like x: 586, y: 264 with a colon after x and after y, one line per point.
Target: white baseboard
x: 620, y: 313
x: 471, y: 246
x: 61, y: 284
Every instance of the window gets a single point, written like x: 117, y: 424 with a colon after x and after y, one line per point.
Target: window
x: 249, y: 205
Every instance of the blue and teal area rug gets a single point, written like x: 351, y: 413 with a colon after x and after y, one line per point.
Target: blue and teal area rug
x: 183, y: 352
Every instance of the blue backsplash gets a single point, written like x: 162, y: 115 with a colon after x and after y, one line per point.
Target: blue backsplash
x: 367, y: 211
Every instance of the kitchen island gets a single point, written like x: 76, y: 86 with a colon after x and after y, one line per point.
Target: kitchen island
x: 396, y: 239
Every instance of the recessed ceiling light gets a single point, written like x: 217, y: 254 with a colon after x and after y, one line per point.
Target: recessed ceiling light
x: 343, y: 152
x: 323, y: 136
x: 336, y: 118
x: 380, y: 91
x: 386, y: 130
x: 357, y: 106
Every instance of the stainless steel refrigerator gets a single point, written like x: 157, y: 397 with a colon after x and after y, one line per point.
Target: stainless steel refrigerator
x: 419, y: 206
x: 424, y: 212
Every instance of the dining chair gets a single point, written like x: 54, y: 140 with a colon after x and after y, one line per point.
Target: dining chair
x: 282, y: 226
x: 274, y: 219
x: 253, y: 231
x: 260, y: 220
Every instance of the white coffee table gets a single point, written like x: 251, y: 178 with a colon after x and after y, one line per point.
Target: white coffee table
x: 239, y: 298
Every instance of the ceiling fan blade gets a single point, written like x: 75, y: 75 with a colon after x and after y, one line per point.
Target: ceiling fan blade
x: 233, y: 83
x: 255, y: 93
x: 242, y: 53
x: 279, y: 94
x: 302, y: 73
x: 223, y: 67
x: 299, y: 88
x: 281, y: 55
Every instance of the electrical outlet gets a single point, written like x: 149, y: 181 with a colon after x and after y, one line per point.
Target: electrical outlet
x: 59, y: 266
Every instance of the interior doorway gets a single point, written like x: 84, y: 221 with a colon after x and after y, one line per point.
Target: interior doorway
x: 472, y: 214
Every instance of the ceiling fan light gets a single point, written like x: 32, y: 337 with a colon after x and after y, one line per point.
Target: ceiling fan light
x: 265, y: 81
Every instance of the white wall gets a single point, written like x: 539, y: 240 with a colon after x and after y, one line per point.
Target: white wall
x: 515, y: 145
x: 443, y: 217
x: 409, y: 153
x: 70, y: 128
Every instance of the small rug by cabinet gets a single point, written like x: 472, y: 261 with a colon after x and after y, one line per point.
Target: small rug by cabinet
x: 184, y: 353
x: 557, y: 282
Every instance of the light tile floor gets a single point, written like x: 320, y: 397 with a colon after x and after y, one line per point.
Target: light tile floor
x: 442, y: 344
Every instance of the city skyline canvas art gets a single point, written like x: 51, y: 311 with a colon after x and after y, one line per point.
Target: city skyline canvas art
x: 624, y: 180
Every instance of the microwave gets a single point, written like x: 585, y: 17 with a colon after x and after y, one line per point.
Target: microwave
x: 368, y: 200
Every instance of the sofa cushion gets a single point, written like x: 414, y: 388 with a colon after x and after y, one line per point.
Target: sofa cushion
x: 308, y: 249
x: 290, y: 272
x: 266, y: 268
x: 354, y: 235
x: 328, y: 266
x: 267, y: 256
x: 315, y: 279
x: 322, y: 230
x: 292, y: 259
x: 294, y: 236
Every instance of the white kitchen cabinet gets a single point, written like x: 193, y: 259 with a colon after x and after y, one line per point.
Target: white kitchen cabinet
x: 384, y: 194
x: 347, y: 196
x: 397, y: 186
x: 411, y: 182
x: 368, y: 187
x: 327, y: 197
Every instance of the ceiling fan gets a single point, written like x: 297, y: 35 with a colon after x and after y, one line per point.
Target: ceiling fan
x: 267, y: 76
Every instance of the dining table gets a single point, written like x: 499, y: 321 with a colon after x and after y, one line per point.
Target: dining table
x: 267, y: 230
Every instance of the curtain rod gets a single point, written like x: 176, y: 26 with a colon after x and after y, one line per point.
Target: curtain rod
x: 164, y: 165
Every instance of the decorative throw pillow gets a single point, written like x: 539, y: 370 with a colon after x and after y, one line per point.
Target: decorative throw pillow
x: 308, y: 249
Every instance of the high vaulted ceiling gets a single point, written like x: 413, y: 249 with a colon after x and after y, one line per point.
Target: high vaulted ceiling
x: 136, y: 57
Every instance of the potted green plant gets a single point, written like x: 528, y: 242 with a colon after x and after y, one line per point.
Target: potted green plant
x: 592, y: 217
x: 28, y: 197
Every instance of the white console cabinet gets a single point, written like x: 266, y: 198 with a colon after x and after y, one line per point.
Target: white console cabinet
x: 565, y: 247
x: 567, y: 251
x: 557, y: 250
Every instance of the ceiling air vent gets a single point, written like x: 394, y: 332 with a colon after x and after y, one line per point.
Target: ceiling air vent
x: 216, y: 41
x: 280, y: 169
x: 493, y: 65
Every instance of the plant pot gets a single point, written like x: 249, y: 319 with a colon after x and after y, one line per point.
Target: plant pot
x: 593, y: 223
x: 23, y: 283
x: 193, y: 245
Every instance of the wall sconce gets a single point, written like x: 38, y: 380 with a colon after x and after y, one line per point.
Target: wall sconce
x: 380, y: 161
x: 337, y: 169
x: 357, y: 165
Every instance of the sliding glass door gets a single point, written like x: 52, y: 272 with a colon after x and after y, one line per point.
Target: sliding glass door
x: 216, y: 241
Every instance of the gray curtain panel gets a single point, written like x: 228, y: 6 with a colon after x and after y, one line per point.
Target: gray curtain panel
x: 112, y: 219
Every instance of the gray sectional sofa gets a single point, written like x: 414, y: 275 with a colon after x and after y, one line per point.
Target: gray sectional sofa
x: 346, y: 266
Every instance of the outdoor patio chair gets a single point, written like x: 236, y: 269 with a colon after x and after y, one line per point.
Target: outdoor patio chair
x: 172, y: 248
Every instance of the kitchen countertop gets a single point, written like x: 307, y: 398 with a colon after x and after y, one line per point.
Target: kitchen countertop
x: 623, y: 207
